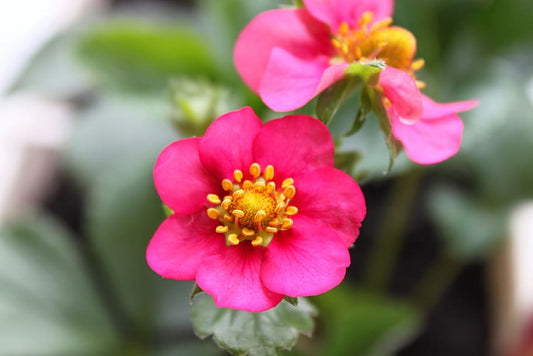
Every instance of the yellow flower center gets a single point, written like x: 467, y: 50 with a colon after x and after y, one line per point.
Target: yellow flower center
x: 255, y: 209
x: 392, y: 44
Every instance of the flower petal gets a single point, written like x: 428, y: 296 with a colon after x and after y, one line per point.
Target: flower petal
x: 332, y: 198
x: 227, y: 143
x: 180, y: 179
x: 430, y: 140
x: 334, y: 12
x: 400, y: 88
x: 293, y: 144
x: 307, y: 260
x: 291, y: 29
x: 437, y: 110
x: 180, y: 243
x: 232, y: 278
x: 291, y: 81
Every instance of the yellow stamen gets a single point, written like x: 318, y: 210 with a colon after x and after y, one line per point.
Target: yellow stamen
x: 291, y: 210
x: 344, y: 28
x: 417, y: 64
x: 271, y: 230
x: 260, y: 216
x: 255, y: 170
x: 226, y: 204
x: 247, y: 184
x: 233, y: 239
x: 260, y: 186
x: 335, y: 42
x: 271, y: 187
x: 287, y: 182
x: 238, y: 194
x: 213, y: 213
x: 366, y: 18
x: 273, y: 223
x: 289, y: 192
x: 279, y: 207
x: 238, y: 213
x: 237, y: 174
x: 420, y: 84
x: 269, y: 172
x: 222, y: 229
x: 227, y: 185
x: 286, y: 224
x: 213, y: 199
x: 257, y: 241
x: 247, y: 232
x: 228, y: 217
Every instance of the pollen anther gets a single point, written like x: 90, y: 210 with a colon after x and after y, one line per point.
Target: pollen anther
x: 255, y: 170
x: 233, y: 239
x: 213, y: 199
x: 238, y: 213
x: 237, y: 174
x: 227, y: 185
x: 289, y: 192
x: 287, y: 182
x: 291, y: 210
x: 222, y: 229
x: 213, y: 213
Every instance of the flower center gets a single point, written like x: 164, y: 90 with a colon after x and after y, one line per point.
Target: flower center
x: 394, y: 45
x: 254, y: 209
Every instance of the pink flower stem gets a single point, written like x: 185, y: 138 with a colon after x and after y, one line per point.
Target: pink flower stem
x: 390, y: 238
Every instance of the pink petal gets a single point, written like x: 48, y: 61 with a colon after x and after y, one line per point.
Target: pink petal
x: 180, y: 178
x: 180, y: 243
x: 227, y: 143
x: 307, y: 260
x: 400, y: 88
x: 334, y: 12
x: 291, y: 29
x: 436, y: 110
x: 293, y: 144
x: 430, y: 140
x: 291, y: 81
x: 332, y: 198
x: 232, y: 278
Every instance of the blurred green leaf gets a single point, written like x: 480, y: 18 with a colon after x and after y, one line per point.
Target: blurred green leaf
x: 138, y: 56
x: 116, y: 130
x: 48, y: 304
x: 359, y: 323
x: 54, y: 71
x: 470, y: 228
x: 331, y: 99
x: 242, y: 333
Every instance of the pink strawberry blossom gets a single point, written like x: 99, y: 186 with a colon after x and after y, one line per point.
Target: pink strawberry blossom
x: 259, y: 212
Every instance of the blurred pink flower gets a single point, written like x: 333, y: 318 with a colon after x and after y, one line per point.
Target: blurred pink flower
x: 259, y: 211
x: 436, y: 136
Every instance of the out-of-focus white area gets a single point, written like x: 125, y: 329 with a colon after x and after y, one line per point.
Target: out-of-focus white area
x: 31, y: 129
x: 26, y: 25
x: 512, y: 272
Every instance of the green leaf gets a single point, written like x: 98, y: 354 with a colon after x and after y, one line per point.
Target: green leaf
x: 48, y: 303
x: 364, y: 323
x: 331, y: 99
x: 116, y: 130
x: 139, y: 56
x: 242, y: 333
x: 470, y: 228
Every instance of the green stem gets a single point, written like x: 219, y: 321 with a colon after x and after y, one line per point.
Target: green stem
x: 390, y: 238
x: 435, y: 281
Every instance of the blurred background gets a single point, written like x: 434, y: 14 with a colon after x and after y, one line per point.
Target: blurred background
x: 92, y: 90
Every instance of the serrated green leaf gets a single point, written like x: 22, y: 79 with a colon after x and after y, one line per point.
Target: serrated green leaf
x: 254, y: 334
x: 138, y: 56
x: 470, y: 229
x: 365, y: 324
x: 331, y: 99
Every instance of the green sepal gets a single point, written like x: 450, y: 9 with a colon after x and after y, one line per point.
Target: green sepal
x: 167, y: 210
x: 291, y: 300
x: 299, y: 4
x: 331, y: 99
x: 194, y: 292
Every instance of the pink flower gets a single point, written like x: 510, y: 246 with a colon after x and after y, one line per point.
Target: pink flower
x: 436, y: 136
x: 288, y: 56
x: 259, y: 211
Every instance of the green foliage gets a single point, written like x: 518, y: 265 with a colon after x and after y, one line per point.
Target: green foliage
x: 471, y: 229
x: 137, y: 56
x: 48, y: 303
x: 360, y: 323
x: 242, y: 333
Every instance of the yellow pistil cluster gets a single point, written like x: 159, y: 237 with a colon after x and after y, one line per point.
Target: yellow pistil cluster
x: 394, y: 45
x: 254, y: 209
